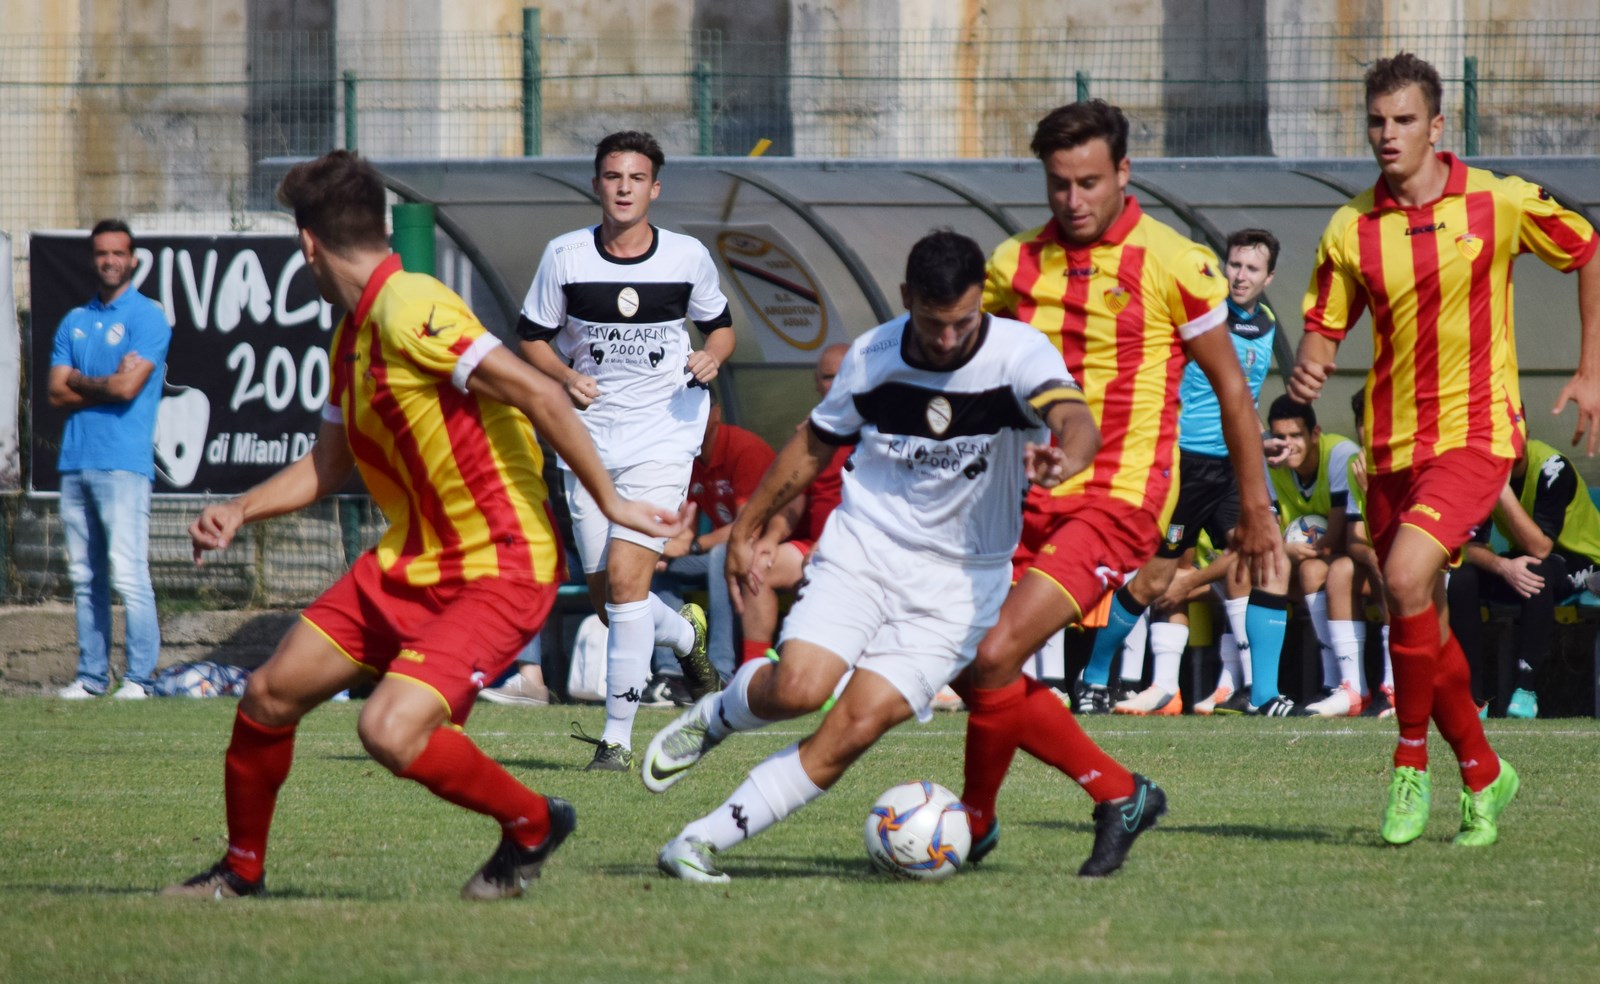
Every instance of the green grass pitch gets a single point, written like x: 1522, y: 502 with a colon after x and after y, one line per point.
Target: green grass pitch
x: 1269, y: 865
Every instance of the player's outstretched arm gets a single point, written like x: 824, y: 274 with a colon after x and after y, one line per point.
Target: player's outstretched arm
x: 1584, y: 386
x: 1256, y: 536
x: 322, y: 471
x: 798, y: 464
x: 504, y: 377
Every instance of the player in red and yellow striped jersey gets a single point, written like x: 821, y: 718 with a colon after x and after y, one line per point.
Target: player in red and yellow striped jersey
x: 1429, y: 252
x: 435, y: 413
x: 1123, y: 298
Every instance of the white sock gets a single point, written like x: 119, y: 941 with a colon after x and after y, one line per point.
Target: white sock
x: 773, y: 790
x: 1167, y: 643
x: 629, y: 646
x: 1133, y: 648
x: 672, y: 629
x: 1346, y: 639
x: 1235, y: 609
x: 1317, y: 606
x: 732, y: 710
x: 1232, y: 675
x: 1388, y: 667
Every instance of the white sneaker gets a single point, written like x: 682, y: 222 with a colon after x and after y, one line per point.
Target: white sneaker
x: 679, y: 746
x: 1209, y: 705
x: 516, y: 691
x: 1343, y: 702
x: 1152, y: 700
x: 691, y: 860
x: 77, y: 691
x: 130, y: 691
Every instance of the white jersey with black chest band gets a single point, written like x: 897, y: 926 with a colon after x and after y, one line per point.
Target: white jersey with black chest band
x: 625, y: 323
x: 939, y: 462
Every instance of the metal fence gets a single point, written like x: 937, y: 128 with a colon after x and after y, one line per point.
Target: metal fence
x: 281, y: 562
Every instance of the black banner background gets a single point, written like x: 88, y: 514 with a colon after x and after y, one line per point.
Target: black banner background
x: 247, y: 370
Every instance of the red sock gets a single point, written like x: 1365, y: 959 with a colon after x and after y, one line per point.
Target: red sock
x: 257, y: 762
x: 1414, y: 651
x: 1051, y: 734
x: 1457, y: 716
x: 456, y: 771
x: 754, y: 649
x: 991, y: 744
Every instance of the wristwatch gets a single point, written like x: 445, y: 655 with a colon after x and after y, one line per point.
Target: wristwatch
x: 696, y: 548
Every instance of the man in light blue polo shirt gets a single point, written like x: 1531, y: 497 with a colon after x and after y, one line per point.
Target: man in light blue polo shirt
x: 106, y: 369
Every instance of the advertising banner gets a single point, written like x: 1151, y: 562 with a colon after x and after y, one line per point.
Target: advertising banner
x: 247, y: 371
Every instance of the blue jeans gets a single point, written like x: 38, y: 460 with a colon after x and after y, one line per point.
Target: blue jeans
x: 688, y: 574
x: 107, y: 520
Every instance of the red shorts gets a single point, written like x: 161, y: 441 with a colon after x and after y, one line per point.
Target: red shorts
x: 1445, y: 497
x: 451, y: 638
x: 1087, y: 546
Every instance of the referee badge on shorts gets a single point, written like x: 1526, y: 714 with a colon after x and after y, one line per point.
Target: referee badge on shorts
x: 1116, y: 299
x: 1175, y: 533
x: 1469, y: 245
x: 939, y: 415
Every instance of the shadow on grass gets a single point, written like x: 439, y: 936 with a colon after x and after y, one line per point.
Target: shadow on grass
x: 1248, y: 831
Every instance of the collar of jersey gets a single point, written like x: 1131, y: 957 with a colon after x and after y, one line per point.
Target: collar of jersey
x: 380, y: 276
x: 655, y: 240
x: 1456, y: 184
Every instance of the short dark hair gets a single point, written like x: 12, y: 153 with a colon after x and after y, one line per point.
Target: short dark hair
x: 1075, y: 124
x: 630, y: 142
x: 1255, y: 237
x: 340, y: 198
x: 943, y: 265
x: 110, y: 225
x: 1393, y: 74
x: 1358, y: 404
x: 1287, y: 407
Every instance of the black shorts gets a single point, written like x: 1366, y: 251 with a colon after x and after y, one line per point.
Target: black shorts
x: 1208, y: 500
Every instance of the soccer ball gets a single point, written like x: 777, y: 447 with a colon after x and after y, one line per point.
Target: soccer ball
x: 918, y: 830
x: 1306, y: 529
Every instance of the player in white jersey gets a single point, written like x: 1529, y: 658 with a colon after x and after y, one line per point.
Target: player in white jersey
x: 949, y: 409
x: 607, y: 317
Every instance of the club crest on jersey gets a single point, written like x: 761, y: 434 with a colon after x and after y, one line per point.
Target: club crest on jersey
x: 628, y: 302
x: 1469, y: 245
x: 1117, y: 298
x: 115, y: 332
x: 939, y: 415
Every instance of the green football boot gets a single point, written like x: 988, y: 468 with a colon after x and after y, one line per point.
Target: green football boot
x: 1481, y: 810
x: 1410, y: 795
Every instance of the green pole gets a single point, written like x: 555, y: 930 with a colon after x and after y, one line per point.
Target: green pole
x: 532, y: 86
x: 349, y: 110
x: 702, y: 107
x: 1082, y: 80
x: 413, y: 236
x: 1469, y: 102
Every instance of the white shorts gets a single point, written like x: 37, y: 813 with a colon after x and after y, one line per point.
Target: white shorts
x: 660, y: 483
x: 911, y: 617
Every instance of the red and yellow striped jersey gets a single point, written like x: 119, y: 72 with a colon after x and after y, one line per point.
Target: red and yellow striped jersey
x: 1119, y: 312
x: 1437, y: 279
x: 459, y: 477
